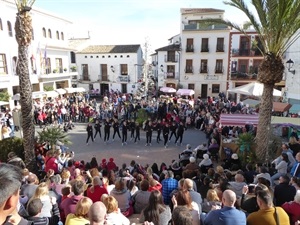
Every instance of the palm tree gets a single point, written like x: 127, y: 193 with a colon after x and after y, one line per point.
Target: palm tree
x: 23, y: 29
x: 276, y: 23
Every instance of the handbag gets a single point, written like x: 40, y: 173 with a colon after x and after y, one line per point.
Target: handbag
x: 276, y: 217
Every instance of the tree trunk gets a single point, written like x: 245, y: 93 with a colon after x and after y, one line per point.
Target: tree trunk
x: 25, y: 91
x: 263, y: 128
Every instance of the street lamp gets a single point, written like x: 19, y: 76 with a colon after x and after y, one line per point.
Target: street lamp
x: 290, y: 64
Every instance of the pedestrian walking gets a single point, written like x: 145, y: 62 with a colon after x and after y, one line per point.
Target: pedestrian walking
x: 124, y: 133
x: 97, y: 128
x: 116, y: 127
x: 173, y: 128
x: 148, y: 129
x: 107, y: 126
x: 89, y: 131
x: 180, y: 130
x: 166, y: 130
x: 137, y: 132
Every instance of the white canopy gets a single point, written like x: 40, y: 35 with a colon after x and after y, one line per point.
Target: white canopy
x: 74, y: 90
x: 4, y: 103
x: 185, y: 92
x: 61, y: 91
x: 254, y: 89
x: 51, y: 94
x: 167, y: 90
x: 38, y: 94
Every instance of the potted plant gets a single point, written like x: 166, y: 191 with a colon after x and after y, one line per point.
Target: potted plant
x: 55, y: 71
x: 52, y: 135
x: 73, y: 68
x: 65, y: 69
x: 245, y: 142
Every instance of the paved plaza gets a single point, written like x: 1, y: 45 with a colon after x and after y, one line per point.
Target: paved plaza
x: 139, y: 152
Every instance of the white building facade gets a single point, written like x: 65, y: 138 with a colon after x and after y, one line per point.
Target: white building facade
x: 48, y: 54
x: 110, y: 67
x: 204, y: 52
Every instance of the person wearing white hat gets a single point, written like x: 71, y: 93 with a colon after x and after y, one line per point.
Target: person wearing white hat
x: 206, y: 161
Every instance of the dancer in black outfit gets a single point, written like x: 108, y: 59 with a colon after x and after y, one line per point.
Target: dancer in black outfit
x: 158, y: 129
x: 132, y: 129
x: 166, y: 131
x: 137, y: 132
x: 116, y: 126
x: 124, y: 133
x: 149, y: 129
x: 107, y: 126
x: 89, y: 131
x: 180, y: 131
x: 97, y: 127
x: 173, y: 128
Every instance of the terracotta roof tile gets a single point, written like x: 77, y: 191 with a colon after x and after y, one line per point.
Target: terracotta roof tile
x: 200, y: 10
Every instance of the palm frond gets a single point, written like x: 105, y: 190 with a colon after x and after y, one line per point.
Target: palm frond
x: 53, y: 134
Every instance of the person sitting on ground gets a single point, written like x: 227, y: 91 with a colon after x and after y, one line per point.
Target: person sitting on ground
x: 228, y: 214
x: 81, y: 212
x: 267, y: 213
x: 97, y: 214
x: 141, y: 197
x: 262, y: 172
x: 211, y: 201
x: 96, y: 190
x: 187, y: 152
x: 182, y: 216
x: 29, y: 188
x: 295, y: 171
x: 238, y: 184
x: 114, y: 216
x: 205, y: 163
x: 192, y: 166
x: 284, y: 192
x: 292, y: 208
x: 111, y: 165
x: 34, y: 209
x: 13, y: 159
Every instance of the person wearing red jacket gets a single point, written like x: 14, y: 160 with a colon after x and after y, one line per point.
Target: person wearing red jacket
x: 111, y: 165
x: 293, y: 208
x: 97, y: 190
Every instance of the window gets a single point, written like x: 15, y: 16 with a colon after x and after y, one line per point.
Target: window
x: 203, y: 68
x: 32, y: 64
x: 244, y: 46
x: 47, y: 66
x: 57, y: 35
x: 58, y: 64
x: 9, y: 28
x: 32, y: 34
x: 44, y: 32
x: 73, y: 57
x: 103, y: 56
x: 62, y: 36
x: 3, y: 66
x: 103, y: 72
x: 189, y: 66
x: 171, y: 57
x: 14, y: 65
x: 97, y: 56
x: 121, y: 56
x: 124, y: 69
x: 255, y: 66
x: 91, y: 56
x: 191, y: 86
x: 109, y: 56
x: 219, y: 66
x: 243, y: 66
x: 85, y: 56
x: 49, y: 33
x: 204, y: 45
x: 189, y: 45
x: 170, y: 71
x: 220, y: 45
x: 215, y: 88
x: 1, y: 28
x: 128, y: 56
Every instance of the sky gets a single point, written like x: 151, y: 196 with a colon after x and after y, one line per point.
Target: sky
x: 130, y: 21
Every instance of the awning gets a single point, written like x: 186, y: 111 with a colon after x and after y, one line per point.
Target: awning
x: 61, y: 91
x: 38, y: 94
x: 51, y: 94
x: 4, y: 103
x: 281, y: 107
x: 285, y: 121
x: 251, y: 102
x: 238, y: 119
x: 295, y: 109
x: 185, y: 92
x: 167, y: 90
x: 75, y: 90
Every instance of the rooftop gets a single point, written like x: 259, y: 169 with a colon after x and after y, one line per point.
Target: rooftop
x: 200, y: 10
x: 169, y: 48
x: 110, y: 49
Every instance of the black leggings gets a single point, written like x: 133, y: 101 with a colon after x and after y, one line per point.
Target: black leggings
x: 106, y: 135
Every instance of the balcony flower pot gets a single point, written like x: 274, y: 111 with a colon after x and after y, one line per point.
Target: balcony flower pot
x: 65, y: 69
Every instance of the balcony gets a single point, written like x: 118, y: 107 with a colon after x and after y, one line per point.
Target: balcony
x: 204, y: 48
x: 85, y: 77
x: 219, y: 69
x: 189, y: 48
x: 198, y: 26
x: 124, y: 78
x: 171, y: 75
x: 245, y: 52
x: 220, y: 48
x: 171, y: 58
x: 204, y: 70
x: 243, y: 76
x: 124, y: 73
x: 103, y: 78
x: 189, y: 69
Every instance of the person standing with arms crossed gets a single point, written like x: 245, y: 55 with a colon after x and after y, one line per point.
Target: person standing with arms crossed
x: 116, y: 126
x: 89, y: 130
x: 97, y: 127
x: 124, y: 133
x: 107, y: 126
x: 166, y: 131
